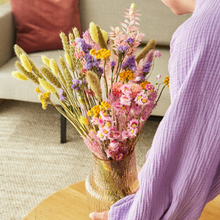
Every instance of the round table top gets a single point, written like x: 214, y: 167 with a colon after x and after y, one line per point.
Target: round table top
x: 70, y: 203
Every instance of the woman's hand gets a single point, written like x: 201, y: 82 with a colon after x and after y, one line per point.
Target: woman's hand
x: 104, y: 215
x: 99, y: 215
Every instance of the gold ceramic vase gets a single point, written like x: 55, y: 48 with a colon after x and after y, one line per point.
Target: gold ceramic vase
x: 110, y: 181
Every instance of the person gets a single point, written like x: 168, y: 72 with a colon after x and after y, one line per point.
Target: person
x: 182, y: 170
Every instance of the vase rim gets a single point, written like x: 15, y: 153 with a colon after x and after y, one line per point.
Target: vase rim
x: 114, y: 160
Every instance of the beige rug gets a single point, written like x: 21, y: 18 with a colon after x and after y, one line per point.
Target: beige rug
x: 33, y: 163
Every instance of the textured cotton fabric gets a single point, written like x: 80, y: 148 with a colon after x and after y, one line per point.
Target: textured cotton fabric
x: 182, y: 170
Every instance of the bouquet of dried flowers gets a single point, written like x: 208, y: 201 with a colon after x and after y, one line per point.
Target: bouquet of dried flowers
x: 102, y: 87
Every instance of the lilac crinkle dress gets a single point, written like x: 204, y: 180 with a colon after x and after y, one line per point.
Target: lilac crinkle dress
x: 182, y: 170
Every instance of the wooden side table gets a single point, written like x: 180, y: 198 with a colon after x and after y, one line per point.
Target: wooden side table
x: 70, y: 203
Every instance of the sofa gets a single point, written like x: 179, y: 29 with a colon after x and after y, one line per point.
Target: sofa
x: 157, y: 21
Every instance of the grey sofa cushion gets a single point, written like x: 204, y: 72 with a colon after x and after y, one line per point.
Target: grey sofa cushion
x: 157, y: 20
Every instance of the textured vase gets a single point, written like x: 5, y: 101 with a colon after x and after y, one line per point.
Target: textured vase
x: 110, y: 181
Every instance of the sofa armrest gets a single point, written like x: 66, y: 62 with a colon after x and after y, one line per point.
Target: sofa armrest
x: 7, y: 36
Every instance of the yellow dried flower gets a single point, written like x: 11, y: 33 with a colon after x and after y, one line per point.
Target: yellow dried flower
x: 29, y: 75
x: 46, y: 95
x: 89, y: 113
x: 44, y: 104
x: 81, y: 101
x: 50, y: 76
x: 25, y: 63
x: 126, y: 75
x: 54, y: 66
x: 65, y: 42
x: 40, y: 97
x: 84, y: 120
x: 19, y: 75
x: 45, y: 61
x: 93, y: 32
x: 102, y: 54
x: 94, y: 83
x: 143, y: 84
x: 37, y: 90
x: 76, y: 32
x: 167, y: 81
x: 66, y: 73
x: 102, y: 41
x: 133, y: 6
x: 105, y: 35
x: 96, y: 111
x: 71, y: 38
x: 47, y: 86
x: 106, y: 105
x: 68, y: 59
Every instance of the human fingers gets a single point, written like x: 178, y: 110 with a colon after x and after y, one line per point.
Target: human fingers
x: 99, y: 215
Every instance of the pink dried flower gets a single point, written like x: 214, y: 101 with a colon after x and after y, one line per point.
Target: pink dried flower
x: 132, y: 132
x: 133, y: 123
x: 117, y: 135
x: 119, y: 156
x: 142, y: 99
x: 135, y: 89
x: 101, y: 135
x: 150, y: 56
x: 125, y: 134
x: 126, y: 89
x: 108, y: 124
x: 158, y: 77
x: 83, y: 70
x: 153, y: 96
x: 111, y: 133
x: 114, y: 145
x: 157, y: 53
x: 74, y: 44
x: 88, y: 39
x: 125, y: 100
x: 149, y: 87
x: 94, y: 145
x: 116, y: 89
x: 104, y: 115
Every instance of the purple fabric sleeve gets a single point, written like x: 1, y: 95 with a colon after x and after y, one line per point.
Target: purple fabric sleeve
x: 182, y: 170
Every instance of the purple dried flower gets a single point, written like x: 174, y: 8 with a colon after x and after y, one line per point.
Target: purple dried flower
x: 113, y: 63
x: 143, y: 77
x: 88, y: 57
x: 146, y: 67
x: 88, y: 65
x: 83, y: 45
x: 76, y: 84
x: 100, y: 70
x: 96, y: 63
x: 130, y: 64
x: 62, y: 97
x: 130, y: 41
x: 122, y: 49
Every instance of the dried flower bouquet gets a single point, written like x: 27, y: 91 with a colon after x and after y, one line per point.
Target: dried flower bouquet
x: 102, y: 87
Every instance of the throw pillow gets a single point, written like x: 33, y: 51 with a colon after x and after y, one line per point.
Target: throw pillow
x: 39, y: 23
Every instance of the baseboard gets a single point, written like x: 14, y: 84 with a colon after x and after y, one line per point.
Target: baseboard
x: 1, y: 101
x: 155, y: 118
